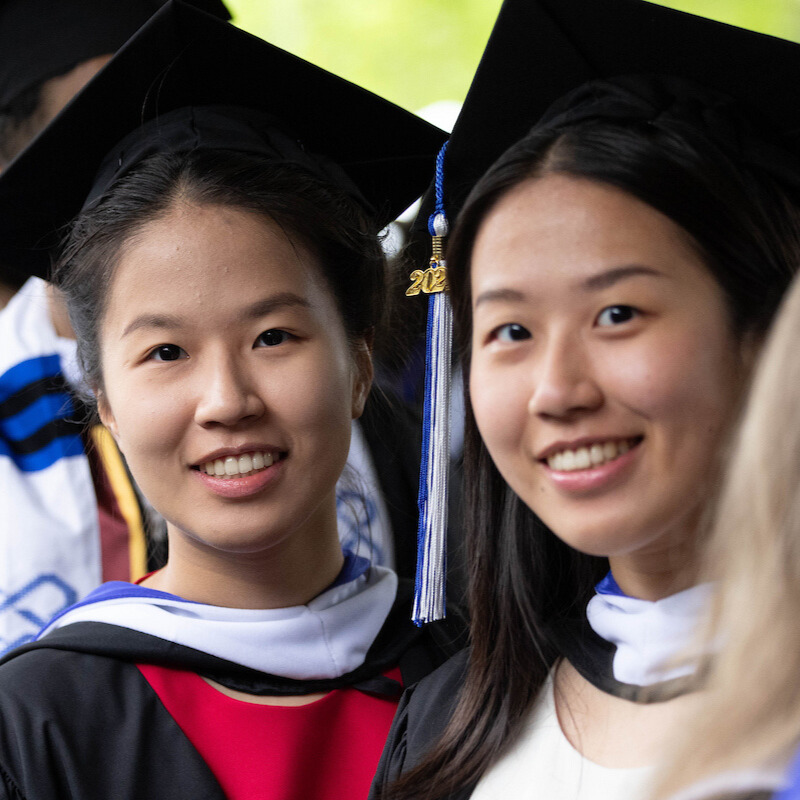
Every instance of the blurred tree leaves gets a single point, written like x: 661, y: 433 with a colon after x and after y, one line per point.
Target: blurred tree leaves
x: 417, y: 52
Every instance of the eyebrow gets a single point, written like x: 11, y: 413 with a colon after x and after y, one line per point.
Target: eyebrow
x: 603, y: 280
x: 499, y: 295
x: 611, y: 277
x: 254, y: 311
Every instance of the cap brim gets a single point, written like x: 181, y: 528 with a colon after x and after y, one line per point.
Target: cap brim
x: 183, y: 57
x: 539, y: 50
x: 40, y: 39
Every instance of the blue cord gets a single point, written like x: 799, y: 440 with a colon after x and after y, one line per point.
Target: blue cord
x: 438, y: 189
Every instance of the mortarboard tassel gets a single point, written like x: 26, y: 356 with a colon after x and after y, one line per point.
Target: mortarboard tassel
x: 429, y: 595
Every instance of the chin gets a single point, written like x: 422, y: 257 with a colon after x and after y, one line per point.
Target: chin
x: 605, y: 540
x: 232, y: 538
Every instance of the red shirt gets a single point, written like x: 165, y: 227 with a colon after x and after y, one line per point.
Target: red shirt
x: 324, y: 750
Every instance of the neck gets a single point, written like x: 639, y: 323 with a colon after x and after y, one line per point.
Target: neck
x: 289, y: 573
x: 657, y: 572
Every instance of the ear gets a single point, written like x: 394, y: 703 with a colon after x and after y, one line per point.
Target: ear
x: 106, y: 415
x: 362, y: 359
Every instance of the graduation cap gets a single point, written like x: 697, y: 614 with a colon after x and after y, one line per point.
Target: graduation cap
x: 183, y: 58
x: 40, y: 39
x: 541, y: 51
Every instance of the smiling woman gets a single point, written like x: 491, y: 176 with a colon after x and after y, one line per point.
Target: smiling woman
x: 609, y: 430
x: 613, y: 274
x: 224, y: 279
x: 226, y: 382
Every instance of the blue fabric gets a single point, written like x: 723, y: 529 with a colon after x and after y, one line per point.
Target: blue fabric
x: 63, y: 447
x: 45, y: 408
x: 609, y: 586
x: 354, y: 567
x: 39, y: 413
x: 792, y: 791
x: 26, y: 372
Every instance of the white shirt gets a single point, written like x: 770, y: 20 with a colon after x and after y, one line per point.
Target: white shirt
x: 543, y: 765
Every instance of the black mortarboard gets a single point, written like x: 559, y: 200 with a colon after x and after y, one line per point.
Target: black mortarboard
x: 40, y: 39
x: 182, y: 58
x: 540, y: 50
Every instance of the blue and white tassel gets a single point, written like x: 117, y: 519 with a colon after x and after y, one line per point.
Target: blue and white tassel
x: 429, y: 596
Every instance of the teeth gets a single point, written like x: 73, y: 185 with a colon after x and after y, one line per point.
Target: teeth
x: 234, y: 466
x: 585, y: 457
x: 582, y: 458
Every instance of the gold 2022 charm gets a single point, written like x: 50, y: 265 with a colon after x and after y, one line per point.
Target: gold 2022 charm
x: 429, y: 281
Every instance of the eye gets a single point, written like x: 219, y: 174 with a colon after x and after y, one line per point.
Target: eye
x: 512, y: 332
x: 272, y: 337
x: 167, y: 352
x: 616, y: 315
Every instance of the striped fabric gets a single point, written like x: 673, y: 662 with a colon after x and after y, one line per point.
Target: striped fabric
x: 38, y: 424
x: 50, y: 553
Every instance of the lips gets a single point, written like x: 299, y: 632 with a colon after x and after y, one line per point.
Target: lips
x: 241, y: 478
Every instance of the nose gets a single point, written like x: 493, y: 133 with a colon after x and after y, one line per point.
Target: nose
x: 564, y: 381
x: 227, y: 394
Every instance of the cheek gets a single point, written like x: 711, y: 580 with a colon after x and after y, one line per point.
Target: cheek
x: 315, y: 394
x: 688, y: 380
x: 148, y: 419
x: 499, y: 401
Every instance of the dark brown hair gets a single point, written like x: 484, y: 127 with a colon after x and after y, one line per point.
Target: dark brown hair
x: 312, y: 211
x: 523, y: 579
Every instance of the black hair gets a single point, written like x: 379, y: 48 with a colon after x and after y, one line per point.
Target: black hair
x: 523, y: 579
x: 312, y: 211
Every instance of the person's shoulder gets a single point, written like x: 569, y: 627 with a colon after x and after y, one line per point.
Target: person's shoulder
x: 68, y: 719
x: 443, y: 683
x: 430, y: 702
x: 424, y: 711
x: 54, y: 682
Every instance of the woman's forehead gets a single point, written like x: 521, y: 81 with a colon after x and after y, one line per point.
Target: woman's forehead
x: 212, y: 260
x: 580, y: 233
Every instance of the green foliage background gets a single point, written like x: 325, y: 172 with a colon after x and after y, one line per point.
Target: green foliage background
x: 416, y: 52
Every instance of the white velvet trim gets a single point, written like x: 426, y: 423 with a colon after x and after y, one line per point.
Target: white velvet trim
x: 652, y: 637
x: 326, y: 638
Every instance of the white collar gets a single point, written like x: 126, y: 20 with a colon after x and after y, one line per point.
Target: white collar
x: 652, y: 638
x: 325, y: 638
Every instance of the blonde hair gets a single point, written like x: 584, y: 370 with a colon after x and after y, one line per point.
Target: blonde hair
x: 750, y: 716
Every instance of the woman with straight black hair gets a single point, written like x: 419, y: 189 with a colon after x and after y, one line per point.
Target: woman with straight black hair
x: 613, y: 274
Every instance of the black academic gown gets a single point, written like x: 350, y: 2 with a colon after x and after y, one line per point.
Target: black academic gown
x: 79, y: 720
x: 422, y: 715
